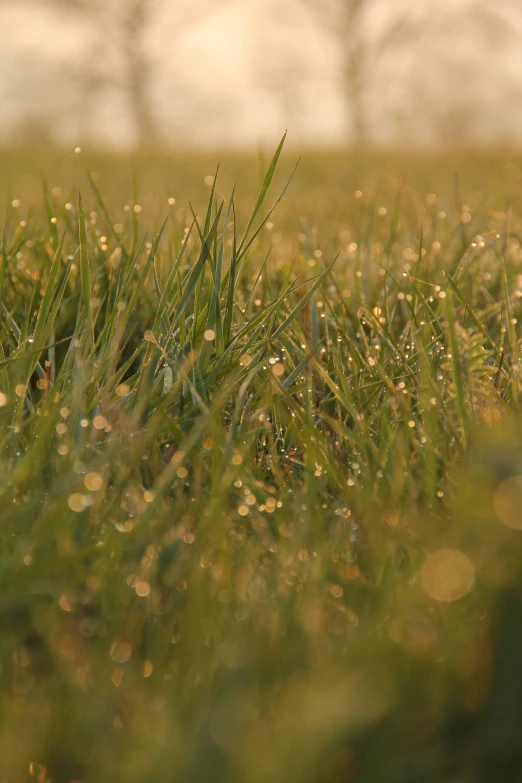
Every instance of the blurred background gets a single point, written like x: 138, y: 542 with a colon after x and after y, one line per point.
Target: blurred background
x: 209, y: 73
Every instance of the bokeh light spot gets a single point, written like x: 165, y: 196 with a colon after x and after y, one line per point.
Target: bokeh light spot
x: 507, y: 502
x: 447, y: 575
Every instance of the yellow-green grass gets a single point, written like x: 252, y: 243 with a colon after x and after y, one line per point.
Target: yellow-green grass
x: 260, y: 472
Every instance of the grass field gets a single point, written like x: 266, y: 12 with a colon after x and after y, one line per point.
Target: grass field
x: 260, y: 473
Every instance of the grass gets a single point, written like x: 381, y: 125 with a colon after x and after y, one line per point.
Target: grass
x: 253, y: 473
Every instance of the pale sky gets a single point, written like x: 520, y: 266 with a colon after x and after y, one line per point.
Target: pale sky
x: 242, y: 71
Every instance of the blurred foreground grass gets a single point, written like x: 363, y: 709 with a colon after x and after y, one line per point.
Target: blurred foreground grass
x: 260, y: 477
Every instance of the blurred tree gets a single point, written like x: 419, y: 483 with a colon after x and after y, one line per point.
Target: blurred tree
x: 347, y: 21
x: 123, y: 26
x: 137, y: 67
x: 123, y: 56
x: 367, y: 31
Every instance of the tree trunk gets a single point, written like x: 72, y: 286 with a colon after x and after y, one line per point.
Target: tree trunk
x: 355, y: 86
x: 354, y: 70
x: 139, y: 100
x: 137, y: 72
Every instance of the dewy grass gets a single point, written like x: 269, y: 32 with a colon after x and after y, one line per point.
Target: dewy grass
x: 259, y: 501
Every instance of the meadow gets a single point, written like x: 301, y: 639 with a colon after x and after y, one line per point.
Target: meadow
x: 260, y: 467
